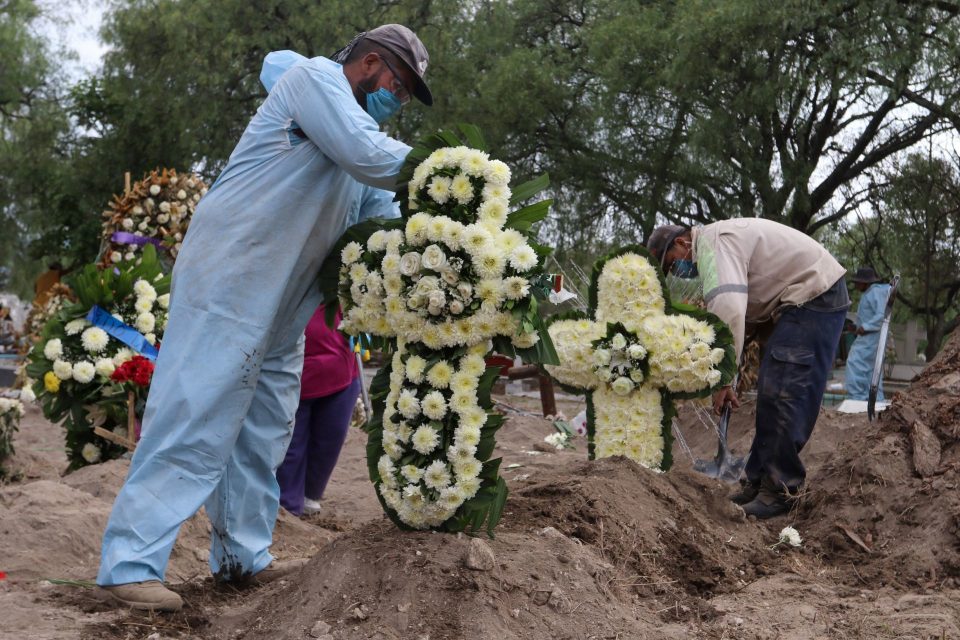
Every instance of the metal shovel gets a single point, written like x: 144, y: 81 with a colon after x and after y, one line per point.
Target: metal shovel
x: 724, y: 465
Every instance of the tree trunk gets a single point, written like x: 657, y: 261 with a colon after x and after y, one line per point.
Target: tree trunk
x: 934, y: 338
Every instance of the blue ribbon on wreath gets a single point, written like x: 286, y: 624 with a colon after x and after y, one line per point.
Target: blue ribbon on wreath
x: 123, y: 332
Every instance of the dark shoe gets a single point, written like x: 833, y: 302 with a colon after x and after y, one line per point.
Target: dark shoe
x: 769, y: 503
x: 748, y: 491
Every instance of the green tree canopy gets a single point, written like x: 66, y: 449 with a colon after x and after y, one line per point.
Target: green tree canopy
x: 914, y: 232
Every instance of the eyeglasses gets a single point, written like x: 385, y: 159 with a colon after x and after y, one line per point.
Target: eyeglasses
x: 396, y: 86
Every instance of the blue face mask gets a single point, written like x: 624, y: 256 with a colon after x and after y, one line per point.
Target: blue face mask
x: 382, y: 105
x: 686, y: 269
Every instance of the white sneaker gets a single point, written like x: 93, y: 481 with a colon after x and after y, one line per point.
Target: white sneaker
x: 311, y: 506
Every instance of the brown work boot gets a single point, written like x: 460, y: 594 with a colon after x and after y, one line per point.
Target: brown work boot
x: 278, y: 569
x: 150, y: 596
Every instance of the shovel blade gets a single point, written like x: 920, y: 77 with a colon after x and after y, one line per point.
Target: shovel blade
x: 727, y: 468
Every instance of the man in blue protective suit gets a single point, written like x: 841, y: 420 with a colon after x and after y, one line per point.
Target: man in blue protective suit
x: 221, y: 408
x: 863, y: 353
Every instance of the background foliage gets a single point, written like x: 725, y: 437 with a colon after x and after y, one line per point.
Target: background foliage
x: 687, y: 110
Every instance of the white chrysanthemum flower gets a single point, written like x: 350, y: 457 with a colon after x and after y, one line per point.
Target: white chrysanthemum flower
x: 493, y: 213
x: 436, y: 227
x: 473, y: 365
x: 452, y: 497
x: 461, y: 452
x: 476, y: 239
x: 516, y: 287
x: 358, y: 272
x: 790, y: 536
x: 144, y: 289
x: 461, y: 189
x: 351, y: 253
x: 146, y: 323
x: 143, y: 305
x: 496, y: 192
x: 434, y: 406
x: 105, y: 367
x: 411, y: 473
x: 74, y: 327
x: 425, y: 439
x: 489, y: 264
x: 468, y: 468
x: 377, y: 240
x: 471, y: 421
x: 525, y: 340
x: 62, y: 369
x: 416, y: 230
x: 408, y: 404
x: 390, y: 264
x: 415, y: 368
x: 440, y: 374
x: 439, y: 189
x: 122, y: 355
x: 91, y: 452
x: 27, y: 394
x: 453, y: 235
x: 497, y: 173
x: 84, y: 371
x: 94, y: 339
x: 164, y: 301
x: 436, y: 475
x: 53, y: 349
x: 474, y: 162
x: 523, y: 258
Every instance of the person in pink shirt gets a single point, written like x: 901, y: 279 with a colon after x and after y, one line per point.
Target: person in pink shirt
x: 329, y: 388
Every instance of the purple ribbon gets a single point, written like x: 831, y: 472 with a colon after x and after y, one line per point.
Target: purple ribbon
x: 122, y: 237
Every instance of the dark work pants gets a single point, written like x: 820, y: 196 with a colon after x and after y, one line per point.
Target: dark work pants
x: 796, y: 362
x: 318, y: 436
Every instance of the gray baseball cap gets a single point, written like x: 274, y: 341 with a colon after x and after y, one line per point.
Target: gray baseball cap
x: 404, y: 44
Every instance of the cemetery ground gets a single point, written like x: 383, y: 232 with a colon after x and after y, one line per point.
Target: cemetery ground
x: 600, y: 549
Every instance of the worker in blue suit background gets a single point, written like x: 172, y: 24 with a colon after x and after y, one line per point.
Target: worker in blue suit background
x: 863, y: 353
x: 221, y: 407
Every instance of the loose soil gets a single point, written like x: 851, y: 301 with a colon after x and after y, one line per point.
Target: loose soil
x: 585, y: 550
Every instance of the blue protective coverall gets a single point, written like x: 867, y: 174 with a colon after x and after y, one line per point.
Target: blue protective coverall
x: 863, y: 353
x: 221, y: 407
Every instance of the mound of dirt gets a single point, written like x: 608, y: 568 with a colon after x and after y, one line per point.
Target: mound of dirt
x: 50, y: 530
x: 886, y: 503
x: 595, y: 549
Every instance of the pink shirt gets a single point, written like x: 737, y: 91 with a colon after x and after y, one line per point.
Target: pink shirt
x: 329, y: 365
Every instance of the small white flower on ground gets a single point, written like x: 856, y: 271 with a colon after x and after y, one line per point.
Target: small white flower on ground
x: 90, y: 453
x: 154, y: 189
x: 557, y: 440
x: 790, y: 536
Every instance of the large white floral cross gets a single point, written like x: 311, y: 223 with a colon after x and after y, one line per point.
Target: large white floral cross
x: 636, y: 356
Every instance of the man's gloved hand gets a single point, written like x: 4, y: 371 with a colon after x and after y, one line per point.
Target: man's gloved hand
x: 724, y: 395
